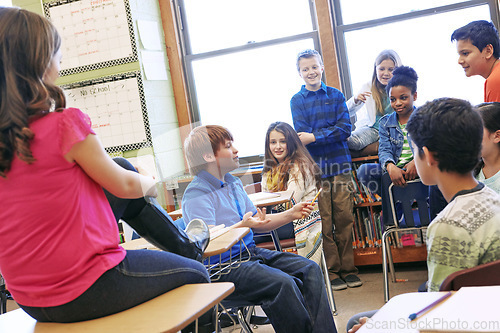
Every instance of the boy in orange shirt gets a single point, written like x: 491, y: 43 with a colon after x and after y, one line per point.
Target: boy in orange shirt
x: 478, y: 47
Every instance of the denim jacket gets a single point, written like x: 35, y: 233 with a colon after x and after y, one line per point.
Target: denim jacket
x: 391, y: 140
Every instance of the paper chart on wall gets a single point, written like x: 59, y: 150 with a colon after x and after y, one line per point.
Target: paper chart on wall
x: 95, y: 33
x: 117, y: 109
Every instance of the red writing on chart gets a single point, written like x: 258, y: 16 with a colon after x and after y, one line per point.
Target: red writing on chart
x: 100, y: 125
x: 92, y: 31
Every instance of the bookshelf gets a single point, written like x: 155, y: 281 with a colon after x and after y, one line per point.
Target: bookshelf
x: 367, y: 230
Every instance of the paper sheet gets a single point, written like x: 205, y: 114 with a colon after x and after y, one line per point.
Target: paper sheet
x: 471, y: 309
x: 149, y: 34
x: 153, y: 63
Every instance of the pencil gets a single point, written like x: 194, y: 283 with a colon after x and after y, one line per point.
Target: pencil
x: 414, y: 316
x: 317, y: 195
x: 312, y: 201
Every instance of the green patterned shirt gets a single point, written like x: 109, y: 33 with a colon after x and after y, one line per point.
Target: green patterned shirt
x: 465, y: 234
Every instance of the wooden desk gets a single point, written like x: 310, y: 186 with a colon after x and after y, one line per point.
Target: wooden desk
x: 225, y: 241
x: 269, y: 199
x: 258, y: 200
x: 393, y: 316
x: 169, y: 312
x: 216, y: 268
x: 471, y: 309
x: 217, y: 246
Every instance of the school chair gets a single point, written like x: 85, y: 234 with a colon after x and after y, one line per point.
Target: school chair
x: 169, y: 312
x: 414, y: 202
x: 483, y: 275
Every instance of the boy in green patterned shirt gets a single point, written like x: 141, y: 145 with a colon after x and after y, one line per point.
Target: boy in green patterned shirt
x: 446, y: 137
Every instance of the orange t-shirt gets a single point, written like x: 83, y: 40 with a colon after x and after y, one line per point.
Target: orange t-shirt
x: 492, y: 85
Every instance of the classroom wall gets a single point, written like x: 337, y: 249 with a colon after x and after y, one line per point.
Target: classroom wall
x: 159, y: 95
x: 160, y: 100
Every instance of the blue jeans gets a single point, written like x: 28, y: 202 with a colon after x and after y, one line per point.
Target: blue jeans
x: 370, y: 175
x: 141, y: 276
x: 377, y: 181
x: 362, y: 137
x: 289, y: 288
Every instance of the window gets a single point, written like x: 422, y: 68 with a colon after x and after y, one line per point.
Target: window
x: 364, y: 10
x: 419, y: 33
x: 239, y: 56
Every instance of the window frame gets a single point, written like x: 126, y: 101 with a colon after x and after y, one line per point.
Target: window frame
x: 188, y: 58
x: 340, y: 29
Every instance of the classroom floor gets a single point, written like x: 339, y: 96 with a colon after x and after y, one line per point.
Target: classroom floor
x: 351, y: 301
x: 369, y: 296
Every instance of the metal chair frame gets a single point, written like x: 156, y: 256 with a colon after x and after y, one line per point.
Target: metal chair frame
x: 408, y: 214
x: 218, y: 268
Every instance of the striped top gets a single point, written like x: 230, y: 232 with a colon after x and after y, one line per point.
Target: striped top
x: 406, y: 154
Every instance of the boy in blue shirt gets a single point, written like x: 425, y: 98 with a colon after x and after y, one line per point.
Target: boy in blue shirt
x: 289, y: 287
x: 321, y: 119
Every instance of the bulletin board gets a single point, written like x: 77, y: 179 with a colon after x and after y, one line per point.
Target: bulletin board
x: 95, y: 33
x: 117, y: 108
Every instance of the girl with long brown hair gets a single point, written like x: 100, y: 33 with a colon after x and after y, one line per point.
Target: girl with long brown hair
x: 59, y: 252
x: 288, y: 166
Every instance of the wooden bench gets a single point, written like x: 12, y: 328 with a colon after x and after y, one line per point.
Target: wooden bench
x: 169, y: 312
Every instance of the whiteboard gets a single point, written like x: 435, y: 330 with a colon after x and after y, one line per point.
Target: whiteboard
x: 117, y: 108
x: 95, y: 33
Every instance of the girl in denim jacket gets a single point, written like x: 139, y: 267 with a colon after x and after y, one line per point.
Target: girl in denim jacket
x: 395, y: 156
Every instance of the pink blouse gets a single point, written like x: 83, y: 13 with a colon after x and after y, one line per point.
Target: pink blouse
x: 58, y: 234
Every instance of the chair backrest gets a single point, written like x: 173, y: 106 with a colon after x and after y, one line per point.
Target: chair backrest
x: 483, y: 275
x: 414, y: 196
x: 253, y: 188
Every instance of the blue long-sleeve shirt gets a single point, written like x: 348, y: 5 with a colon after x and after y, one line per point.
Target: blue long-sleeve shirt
x: 324, y: 113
